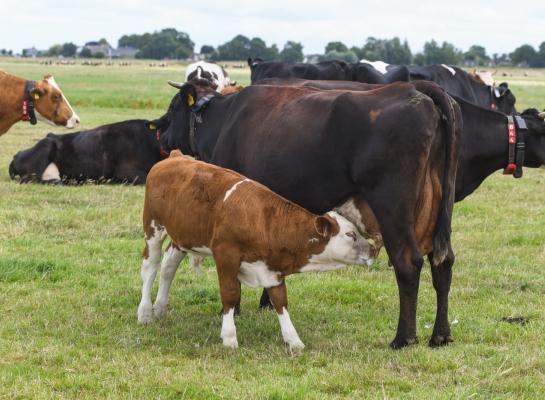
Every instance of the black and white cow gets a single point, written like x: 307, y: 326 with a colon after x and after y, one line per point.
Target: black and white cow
x: 210, y: 71
x: 119, y: 152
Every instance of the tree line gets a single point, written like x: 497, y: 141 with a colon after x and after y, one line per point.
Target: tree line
x: 173, y: 44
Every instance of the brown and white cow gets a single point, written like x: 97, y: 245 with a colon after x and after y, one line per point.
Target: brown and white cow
x: 23, y: 100
x: 255, y: 236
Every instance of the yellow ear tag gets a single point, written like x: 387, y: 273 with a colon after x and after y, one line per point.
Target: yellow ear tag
x: 36, y: 96
x: 190, y: 100
x: 152, y: 126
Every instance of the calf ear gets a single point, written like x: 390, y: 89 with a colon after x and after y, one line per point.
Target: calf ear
x: 323, y: 226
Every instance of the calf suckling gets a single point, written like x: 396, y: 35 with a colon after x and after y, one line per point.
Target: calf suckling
x: 255, y: 236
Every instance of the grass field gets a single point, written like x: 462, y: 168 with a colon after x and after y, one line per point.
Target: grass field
x: 70, y: 287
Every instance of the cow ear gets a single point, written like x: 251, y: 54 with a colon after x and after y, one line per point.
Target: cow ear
x: 36, y: 93
x: 323, y: 226
x: 189, y: 95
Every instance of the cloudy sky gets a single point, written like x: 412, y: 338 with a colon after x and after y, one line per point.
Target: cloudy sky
x: 500, y: 26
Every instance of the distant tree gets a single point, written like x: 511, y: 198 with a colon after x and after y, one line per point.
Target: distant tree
x: 168, y: 43
x: 3, y: 52
x: 391, y: 51
x: 103, y: 41
x: 358, y: 51
x: 477, y: 54
x: 339, y: 47
x: 419, y: 59
x: 237, y: 48
x: 69, y: 50
x: 135, y: 41
x: 99, y: 54
x: 258, y: 48
x: 348, y: 56
x: 206, y: 49
x: 525, y: 53
x: 85, y: 53
x: 292, y: 52
x: 540, y: 58
x: 54, y: 51
x: 444, y: 54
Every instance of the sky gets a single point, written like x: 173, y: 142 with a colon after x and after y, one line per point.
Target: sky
x: 499, y: 26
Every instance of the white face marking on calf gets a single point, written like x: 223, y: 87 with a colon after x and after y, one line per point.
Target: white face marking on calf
x: 288, y: 331
x: 345, y: 248
x: 74, y: 119
x: 229, y: 330
x: 257, y: 274
x: 51, y: 173
x: 380, y: 66
x: 233, y: 188
x: 450, y: 69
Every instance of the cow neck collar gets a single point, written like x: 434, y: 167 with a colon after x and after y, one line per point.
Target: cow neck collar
x: 162, y: 150
x: 195, y: 118
x: 27, y: 107
x: 517, y: 145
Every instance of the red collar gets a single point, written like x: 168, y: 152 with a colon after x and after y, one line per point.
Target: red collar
x: 517, y: 146
x: 162, y: 151
x: 27, y: 107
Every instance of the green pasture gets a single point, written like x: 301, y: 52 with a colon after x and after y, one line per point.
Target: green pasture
x: 70, y: 287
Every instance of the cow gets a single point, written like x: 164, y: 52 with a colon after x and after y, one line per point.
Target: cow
x: 255, y: 236
x: 120, y: 152
x: 454, y: 80
x: 392, y: 149
x: 325, y: 70
x: 23, y: 100
x: 211, y: 71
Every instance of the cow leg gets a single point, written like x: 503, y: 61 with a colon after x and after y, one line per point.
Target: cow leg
x: 279, y: 297
x: 265, y: 301
x: 400, y: 242
x: 442, y: 276
x: 172, y: 259
x: 228, y: 268
x: 152, y: 259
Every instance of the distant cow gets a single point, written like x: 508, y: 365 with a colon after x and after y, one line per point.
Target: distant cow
x: 22, y: 100
x: 120, y: 152
x: 255, y: 236
x: 210, y: 71
x: 325, y: 70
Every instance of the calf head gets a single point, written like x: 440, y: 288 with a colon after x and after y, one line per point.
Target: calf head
x: 337, y: 242
x: 51, y: 105
x: 535, y: 138
x: 29, y: 165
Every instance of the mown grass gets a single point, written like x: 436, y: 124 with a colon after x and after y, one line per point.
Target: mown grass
x: 70, y: 286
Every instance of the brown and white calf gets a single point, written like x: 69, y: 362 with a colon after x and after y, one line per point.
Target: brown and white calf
x: 22, y: 100
x: 256, y: 237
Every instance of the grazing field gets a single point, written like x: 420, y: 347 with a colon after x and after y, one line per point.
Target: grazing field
x: 70, y: 286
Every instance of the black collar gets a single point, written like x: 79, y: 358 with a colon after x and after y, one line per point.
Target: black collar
x: 28, y: 103
x: 195, y: 117
x: 517, y: 145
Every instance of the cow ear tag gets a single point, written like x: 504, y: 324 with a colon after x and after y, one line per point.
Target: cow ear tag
x: 36, y: 96
x: 152, y: 126
x: 190, y: 100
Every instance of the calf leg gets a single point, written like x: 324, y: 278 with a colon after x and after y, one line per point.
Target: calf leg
x: 265, y: 301
x: 442, y: 276
x: 279, y: 297
x: 172, y: 259
x: 152, y: 258
x: 228, y: 267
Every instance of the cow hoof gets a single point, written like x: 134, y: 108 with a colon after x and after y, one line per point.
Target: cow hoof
x: 399, y: 343
x: 145, y: 314
x: 440, y: 340
x: 295, y: 345
x: 230, y: 342
x: 160, y: 310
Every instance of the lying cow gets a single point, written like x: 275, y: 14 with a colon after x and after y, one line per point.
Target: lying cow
x: 327, y: 70
x: 22, y: 100
x: 255, y: 236
x: 120, y: 152
x: 210, y: 71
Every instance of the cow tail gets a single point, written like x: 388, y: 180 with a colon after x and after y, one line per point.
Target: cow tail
x: 452, y: 123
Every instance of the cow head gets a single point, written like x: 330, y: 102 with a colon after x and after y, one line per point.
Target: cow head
x: 51, y: 105
x: 504, y: 99
x: 343, y: 243
x: 535, y: 138
x: 30, y: 165
x: 175, y: 122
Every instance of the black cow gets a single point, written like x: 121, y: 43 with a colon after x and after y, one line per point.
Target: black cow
x: 325, y: 70
x: 454, y: 80
x: 120, y: 152
x: 393, y: 148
